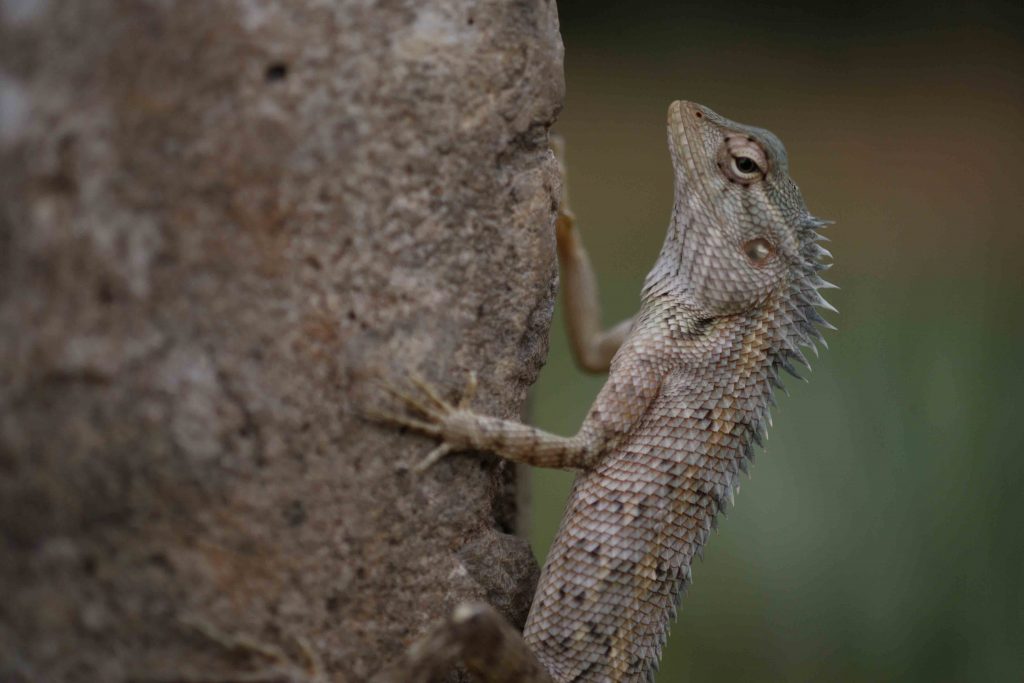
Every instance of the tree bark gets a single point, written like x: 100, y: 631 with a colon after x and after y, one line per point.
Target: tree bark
x: 217, y: 221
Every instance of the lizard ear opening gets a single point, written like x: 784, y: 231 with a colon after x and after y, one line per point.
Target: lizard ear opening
x: 758, y: 250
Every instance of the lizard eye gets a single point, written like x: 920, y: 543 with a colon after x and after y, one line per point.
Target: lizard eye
x: 758, y: 250
x: 745, y: 166
x: 742, y: 159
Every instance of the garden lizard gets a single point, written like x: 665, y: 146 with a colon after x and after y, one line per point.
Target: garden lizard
x: 728, y: 304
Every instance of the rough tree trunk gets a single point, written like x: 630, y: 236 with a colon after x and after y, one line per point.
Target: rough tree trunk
x: 216, y: 220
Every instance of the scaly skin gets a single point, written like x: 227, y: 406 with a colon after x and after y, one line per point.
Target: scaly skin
x: 729, y: 301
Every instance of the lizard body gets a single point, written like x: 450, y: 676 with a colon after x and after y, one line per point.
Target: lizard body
x: 729, y: 301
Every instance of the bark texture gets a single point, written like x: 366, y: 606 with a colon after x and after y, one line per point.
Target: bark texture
x: 217, y: 219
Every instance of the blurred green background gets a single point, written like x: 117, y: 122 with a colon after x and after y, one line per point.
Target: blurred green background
x: 880, y: 536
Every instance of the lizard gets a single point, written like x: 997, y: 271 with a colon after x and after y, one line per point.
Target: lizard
x: 730, y: 301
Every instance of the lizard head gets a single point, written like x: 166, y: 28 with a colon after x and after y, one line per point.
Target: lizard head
x: 740, y: 230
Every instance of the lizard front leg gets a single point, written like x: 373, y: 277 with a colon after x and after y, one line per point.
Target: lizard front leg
x: 592, y: 347
x: 623, y: 400
x: 459, y: 428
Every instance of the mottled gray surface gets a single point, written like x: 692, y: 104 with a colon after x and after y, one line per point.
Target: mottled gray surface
x: 217, y: 218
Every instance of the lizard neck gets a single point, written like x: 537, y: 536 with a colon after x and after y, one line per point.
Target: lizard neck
x: 666, y: 278
x: 739, y: 356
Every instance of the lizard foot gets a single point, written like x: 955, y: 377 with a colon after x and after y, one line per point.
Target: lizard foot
x: 433, y: 410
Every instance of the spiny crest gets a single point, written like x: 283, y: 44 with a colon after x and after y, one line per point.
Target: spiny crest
x: 800, y: 322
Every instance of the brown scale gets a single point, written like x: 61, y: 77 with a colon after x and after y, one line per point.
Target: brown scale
x: 729, y: 302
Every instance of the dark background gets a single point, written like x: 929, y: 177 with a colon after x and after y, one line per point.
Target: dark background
x: 880, y: 535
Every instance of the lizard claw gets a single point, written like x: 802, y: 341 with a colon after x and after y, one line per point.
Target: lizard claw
x: 415, y: 403
x: 439, y: 403
x: 389, y: 417
x: 432, y: 408
x: 432, y: 458
x: 469, y: 392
